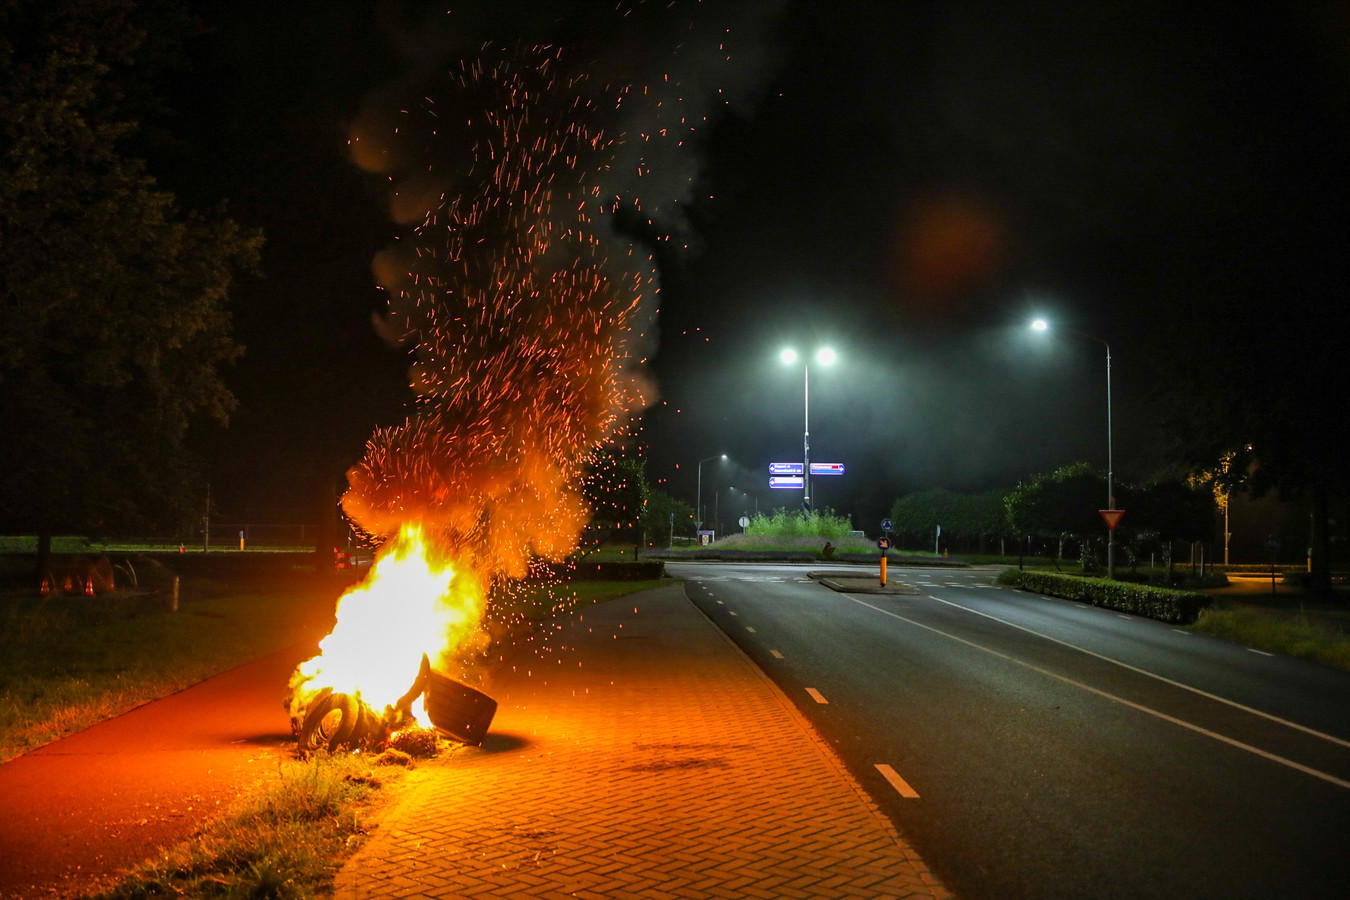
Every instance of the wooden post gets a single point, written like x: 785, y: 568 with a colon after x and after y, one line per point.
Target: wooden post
x: 174, y: 603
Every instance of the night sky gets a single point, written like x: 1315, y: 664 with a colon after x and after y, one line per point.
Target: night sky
x: 908, y: 183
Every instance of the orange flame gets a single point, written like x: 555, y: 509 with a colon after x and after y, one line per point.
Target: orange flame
x: 407, y: 606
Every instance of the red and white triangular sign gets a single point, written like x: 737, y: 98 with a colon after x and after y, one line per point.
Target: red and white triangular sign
x: 1112, y: 517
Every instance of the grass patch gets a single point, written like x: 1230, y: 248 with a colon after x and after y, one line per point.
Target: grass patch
x: 83, y: 546
x: 71, y: 661
x: 816, y: 524
x: 1295, y: 633
x: 527, y: 601
x: 284, y: 841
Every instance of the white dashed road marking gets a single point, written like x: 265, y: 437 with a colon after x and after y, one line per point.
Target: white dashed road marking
x: 749, y: 629
x: 817, y: 695
x: 775, y: 654
x: 901, y: 786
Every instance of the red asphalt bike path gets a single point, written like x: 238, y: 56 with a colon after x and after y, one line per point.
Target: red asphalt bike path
x: 75, y: 812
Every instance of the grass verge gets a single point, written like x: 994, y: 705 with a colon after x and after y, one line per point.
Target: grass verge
x: 71, y: 661
x: 285, y: 841
x: 523, y: 603
x: 1295, y: 633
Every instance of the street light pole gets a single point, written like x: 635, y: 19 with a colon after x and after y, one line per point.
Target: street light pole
x: 698, y: 503
x: 806, y: 436
x: 825, y: 357
x: 1042, y: 325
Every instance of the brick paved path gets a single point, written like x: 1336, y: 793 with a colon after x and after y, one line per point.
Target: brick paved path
x: 665, y: 765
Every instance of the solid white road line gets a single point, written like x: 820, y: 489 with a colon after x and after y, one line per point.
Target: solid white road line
x: 817, y: 695
x: 1124, y: 665
x: 901, y: 786
x: 1262, y: 652
x: 1190, y: 726
x: 775, y: 654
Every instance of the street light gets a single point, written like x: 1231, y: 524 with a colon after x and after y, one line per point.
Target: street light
x: 698, y: 508
x: 1043, y: 325
x: 826, y: 357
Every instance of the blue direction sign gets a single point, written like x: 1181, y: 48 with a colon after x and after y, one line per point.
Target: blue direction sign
x: 827, y: 468
x: 883, y: 544
x: 887, y: 525
x: 786, y: 469
x: 787, y: 481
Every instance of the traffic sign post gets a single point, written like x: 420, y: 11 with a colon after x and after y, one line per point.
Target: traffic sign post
x: 786, y: 468
x: 1112, y: 517
x: 826, y: 468
x: 883, y: 544
x: 780, y: 482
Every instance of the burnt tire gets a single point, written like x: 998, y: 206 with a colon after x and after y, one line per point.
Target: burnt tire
x: 329, y: 723
x: 457, y: 710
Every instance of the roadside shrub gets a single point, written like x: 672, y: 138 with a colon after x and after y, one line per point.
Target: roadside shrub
x: 1164, y: 604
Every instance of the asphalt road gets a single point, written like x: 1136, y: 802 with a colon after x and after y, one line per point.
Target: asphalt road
x: 1040, y: 748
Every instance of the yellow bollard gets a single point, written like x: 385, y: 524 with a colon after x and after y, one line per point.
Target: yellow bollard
x: 883, y: 570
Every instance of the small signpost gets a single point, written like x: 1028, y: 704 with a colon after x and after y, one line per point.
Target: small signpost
x: 785, y: 469
x: 826, y: 468
x: 743, y: 521
x: 883, y: 544
x: 1273, y: 548
x: 786, y: 481
x: 705, y: 536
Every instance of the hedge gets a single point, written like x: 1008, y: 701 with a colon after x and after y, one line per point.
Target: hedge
x: 1164, y: 604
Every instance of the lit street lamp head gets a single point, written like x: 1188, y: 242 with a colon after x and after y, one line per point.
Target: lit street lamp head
x: 825, y: 357
x: 1040, y: 325
x: 788, y: 356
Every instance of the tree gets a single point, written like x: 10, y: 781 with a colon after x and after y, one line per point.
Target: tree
x: 656, y: 516
x: 1062, y: 504
x: 1170, y: 511
x: 615, y: 489
x: 114, y: 299
x: 969, y: 517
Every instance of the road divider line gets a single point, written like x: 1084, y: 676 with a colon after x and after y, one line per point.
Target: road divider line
x: 901, y: 786
x: 775, y: 654
x: 720, y: 603
x: 1262, y: 652
x: 749, y: 629
x: 1138, y: 671
x: 733, y: 612
x: 1158, y: 714
x: 817, y: 696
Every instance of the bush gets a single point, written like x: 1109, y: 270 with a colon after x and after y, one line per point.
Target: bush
x: 1164, y: 604
x: 782, y: 523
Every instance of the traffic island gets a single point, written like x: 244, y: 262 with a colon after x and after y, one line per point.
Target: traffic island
x: 854, y: 582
